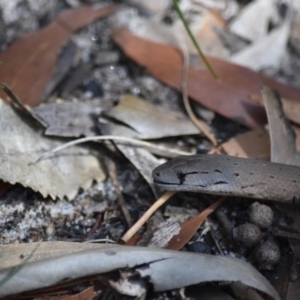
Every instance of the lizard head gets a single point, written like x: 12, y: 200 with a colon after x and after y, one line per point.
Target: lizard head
x: 178, y: 173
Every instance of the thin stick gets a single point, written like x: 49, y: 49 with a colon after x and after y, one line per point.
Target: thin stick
x: 133, y: 141
x: 198, y: 123
x: 151, y: 210
x: 201, y: 54
x: 112, y: 171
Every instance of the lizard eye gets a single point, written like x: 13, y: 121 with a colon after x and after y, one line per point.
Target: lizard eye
x: 181, y: 175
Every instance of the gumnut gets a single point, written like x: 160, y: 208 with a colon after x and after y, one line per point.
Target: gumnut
x: 261, y: 215
x: 248, y: 235
x: 268, y: 255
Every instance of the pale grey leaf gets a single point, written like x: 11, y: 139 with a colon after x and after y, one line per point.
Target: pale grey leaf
x: 165, y: 269
x: 62, y: 175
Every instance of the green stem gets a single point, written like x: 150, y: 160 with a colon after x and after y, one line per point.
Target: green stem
x: 186, y: 26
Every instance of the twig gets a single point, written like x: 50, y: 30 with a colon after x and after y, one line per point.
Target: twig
x: 213, y: 235
x: 112, y: 171
x: 95, y: 226
x: 132, y: 141
x: 202, y: 126
x: 186, y: 26
x: 159, y: 202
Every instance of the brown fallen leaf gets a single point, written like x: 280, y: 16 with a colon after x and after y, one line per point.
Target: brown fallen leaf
x: 252, y: 144
x: 205, y: 32
x: 159, y: 231
x: 189, y: 228
x: 234, y: 96
x: 28, y: 64
x: 291, y: 110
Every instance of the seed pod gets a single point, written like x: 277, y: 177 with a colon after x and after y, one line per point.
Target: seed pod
x: 261, y: 215
x: 268, y: 255
x: 247, y: 235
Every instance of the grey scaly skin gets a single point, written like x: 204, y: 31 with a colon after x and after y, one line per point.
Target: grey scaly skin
x: 230, y: 176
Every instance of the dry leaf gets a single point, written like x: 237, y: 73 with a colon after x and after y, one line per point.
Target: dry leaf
x: 234, y: 95
x: 68, y: 119
x: 205, y: 32
x: 156, y: 8
x: 190, y: 227
x: 252, y: 22
x: 15, y: 254
x: 28, y: 64
x: 163, y: 233
x: 59, y: 176
x: 142, y: 159
x: 291, y: 110
x: 144, y: 120
x: 180, y: 213
x: 283, y: 145
x: 158, y: 266
x: 267, y: 53
x: 252, y: 144
x: 283, y: 138
x: 150, y: 121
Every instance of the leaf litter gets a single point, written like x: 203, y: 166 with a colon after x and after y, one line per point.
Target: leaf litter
x: 37, y: 53
x: 73, y: 119
x: 58, y: 177
x: 284, y: 150
x: 243, y: 150
x: 156, y: 266
x: 150, y: 121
